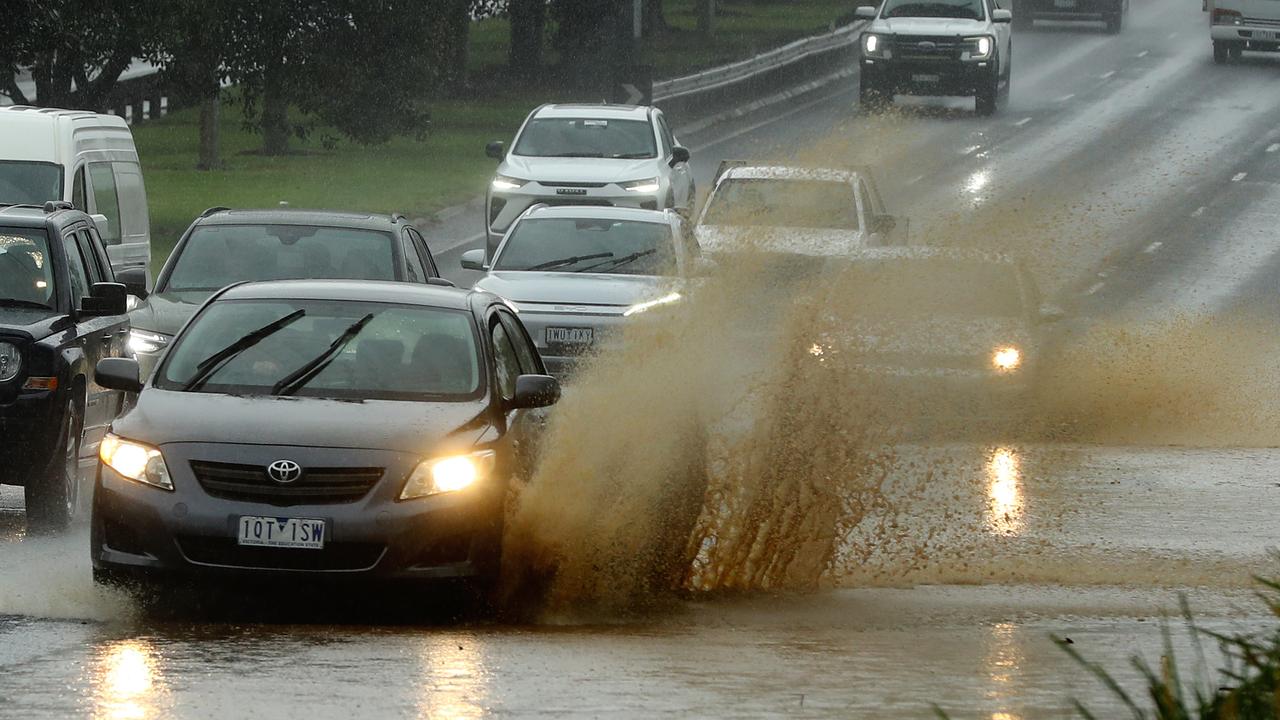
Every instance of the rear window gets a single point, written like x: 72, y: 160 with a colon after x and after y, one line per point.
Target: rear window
x: 217, y: 255
x: 582, y: 245
x: 819, y: 204
x: 26, y: 274
x: 29, y: 183
x: 587, y: 137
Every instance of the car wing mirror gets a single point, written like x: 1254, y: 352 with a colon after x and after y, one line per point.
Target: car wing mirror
x: 1051, y: 313
x: 535, y: 391
x: 1001, y: 16
x: 116, y: 373
x: 473, y: 260
x: 101, y: 223
x: 105, y: 299
x: 865, y: 12
x: 496, y: 150
x: 679, y: 154
x: 134, y: 280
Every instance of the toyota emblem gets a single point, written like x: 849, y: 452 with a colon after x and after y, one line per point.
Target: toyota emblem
x: 284, y: 471
x: 928, y: 46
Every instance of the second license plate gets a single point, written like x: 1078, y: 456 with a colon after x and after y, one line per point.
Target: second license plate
x: 1264, y: 35
x: 274, y: 532
x: 570, y: 336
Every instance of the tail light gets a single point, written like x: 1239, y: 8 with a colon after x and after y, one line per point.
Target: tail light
x: 1224, y: 16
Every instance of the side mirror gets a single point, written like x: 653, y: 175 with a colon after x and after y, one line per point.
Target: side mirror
x: 119, y: 374
x: 679, y: 154
x: 1001, y: 16
x: 496, y: 150
x: 101, y: 223
x: 865, y: 12
x: 1051, y: 314
x: 105, y: 299
x: 135, y: 281
x: 535, y: 391
x: 473, y: 260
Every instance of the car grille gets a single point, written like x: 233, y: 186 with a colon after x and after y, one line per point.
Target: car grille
x: 571, y: 184
x: 934, y: 47
x: 1260, y: 22
x: 316, y: 486
x: 577, y: 201
x: 335, y: 557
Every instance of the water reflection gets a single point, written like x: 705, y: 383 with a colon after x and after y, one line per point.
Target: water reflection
x: 128, y: 682
x: 455, y: 687
x: 1003, y: 660
x: 1004, y: 492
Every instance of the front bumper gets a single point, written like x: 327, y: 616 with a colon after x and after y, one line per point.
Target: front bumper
x: 1250, y: 37
x: 928, y: 77
x: 29, y: 425
x: 141, y: 531
x: 502, y: 207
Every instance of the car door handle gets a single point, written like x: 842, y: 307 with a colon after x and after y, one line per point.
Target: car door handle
x: 108, y: 337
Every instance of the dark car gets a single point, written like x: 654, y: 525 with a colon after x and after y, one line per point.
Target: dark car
x: 328, y: 429
x: 227, y: 246
x: 61, y: 311
x: 1109, y: 12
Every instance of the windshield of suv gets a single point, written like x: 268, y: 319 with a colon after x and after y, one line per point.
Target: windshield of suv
x: 820, y: 204
x: 960, y: 9
x: 217, y: 255
x: 29, y: 183
x: 26, y: 275
x: 622, y: 247
x: 923, y: 288
x: 587, y: 137
x: 400, y: 353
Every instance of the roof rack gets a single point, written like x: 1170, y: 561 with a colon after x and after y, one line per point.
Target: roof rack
x: 397, y: 217
x: 55, y: 205
x: 214, y: 209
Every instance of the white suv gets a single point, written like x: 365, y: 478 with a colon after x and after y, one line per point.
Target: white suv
x: 1239, y: 25
x: 604, y: 155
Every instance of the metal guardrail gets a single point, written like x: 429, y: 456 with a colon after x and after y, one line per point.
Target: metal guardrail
x: 741, y: 70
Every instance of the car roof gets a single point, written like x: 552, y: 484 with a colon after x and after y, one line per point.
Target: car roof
x: 602, y: 111
x: 598, y: 212
x: 784, y: 172
x: 918, y: 252
x: 354, y: 291
x: 30, y: 215
x: 290, y: 216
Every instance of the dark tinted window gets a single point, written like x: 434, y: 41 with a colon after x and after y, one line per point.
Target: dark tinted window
x: 91, y: 263
x: 963, y: 9
x: 587, y: 137
x: 525, y: 352
x: 217, y: 255
x: 75, y: 269
x: 30, y: 183
x: 580, y: 245
x: 417, y: 273
x: 26, y: 273
x: 506, y: 362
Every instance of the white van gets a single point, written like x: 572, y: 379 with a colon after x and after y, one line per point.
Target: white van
x: 84, y: 158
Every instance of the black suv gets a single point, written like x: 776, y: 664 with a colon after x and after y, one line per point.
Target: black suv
x: 61, y: 311
x: 227, y: 246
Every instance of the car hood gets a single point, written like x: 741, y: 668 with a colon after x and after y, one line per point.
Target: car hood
x: 934, y: 337
x: 573, y: 288
x: 165, y: 416
x: 578, y: 170
x: 167, y: 312
x: 33, y: 323
x: 799, y: 241
x: 930, y: 26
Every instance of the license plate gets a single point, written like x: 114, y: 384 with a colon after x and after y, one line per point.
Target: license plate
x: 282, y: 532
x: 1264, y: 35
x: 924, y: 78
x: 570, y: 336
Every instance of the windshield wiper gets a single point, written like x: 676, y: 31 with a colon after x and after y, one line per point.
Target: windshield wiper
x: 616, y: 263
x: 575, y: 154
x: 295, y: 380
x: 215, y: 362
x: 15, y: 302
x: 632, y: 156
x: 569, y: 261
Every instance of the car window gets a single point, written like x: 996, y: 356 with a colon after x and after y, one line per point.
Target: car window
x: 32, y: 183
x: 668, y: 139
x: 134, y: 223
x: 623, y: 247
x: 425, y: 252
x: 91, y: 262
x: 587, y: 137
x: 26, y: 274
x: 526, y: 354
x: 79, y: 196
x: 402, y: 352
x: 818, y: 204
x: 106, y: 200
x: 959, y: 9
x: 506, y: 362
x: 76, y: 271
x: 215, y: 256
x: 865, y: 199
x: 413, y: 262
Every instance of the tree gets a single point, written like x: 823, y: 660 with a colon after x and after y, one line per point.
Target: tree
x: 593, y: 40
x: 191, y: 55
x: 706, y: 17
x: 528, y: 30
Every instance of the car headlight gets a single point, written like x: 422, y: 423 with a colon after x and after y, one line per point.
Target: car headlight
x: 10, y: 361
x: 148, y: 343
x: 982, y: 46
x: 874, y: 45
x: 448, y: 474
x: 503, y: 182
x: 650, y: 185
x: 1006, y: 359
x: 135, y: 461
x: 651, y: 304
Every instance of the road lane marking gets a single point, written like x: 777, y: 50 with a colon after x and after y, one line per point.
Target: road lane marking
x: 970, y: 150
x: 1239, y: 176
x: 915, y: 180
x: 1198, y: 211
x: 1107, y: 75
x: 1152, y: 247
x: 1273, y: 147
x: 437, y: 248
x: 1023, y: 121
x: 1144, y: 53
x: 1094, y: 288
x: 1065, y: 98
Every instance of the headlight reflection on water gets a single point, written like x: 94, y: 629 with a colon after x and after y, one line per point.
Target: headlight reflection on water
x: 128, y: 681
x: 457, y: 682
x: 1004, y: 493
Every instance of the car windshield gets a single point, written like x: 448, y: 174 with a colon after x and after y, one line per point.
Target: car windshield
x: 217, y: 255
x: 960, y: 9
x: 587, y: 137
x: 819, y: 204
x: 930, y: 288
x: 26, y: 274
x: 29, y: 183
x: 400, y: 353
x: 623, y: 247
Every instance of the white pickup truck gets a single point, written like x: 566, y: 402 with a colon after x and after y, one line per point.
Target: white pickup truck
x: 1239, y: 25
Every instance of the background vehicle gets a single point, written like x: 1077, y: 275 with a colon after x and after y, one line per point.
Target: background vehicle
x: 1110, y: 12
x: 60, y: 312
x: 577, y: 273
x: 607, y: 155
x: 957, y: 47
x: 1239, y: 25
x: 86, y: 159
x: 793, y: 209
x: 228, y: 246
x: 323, y: 429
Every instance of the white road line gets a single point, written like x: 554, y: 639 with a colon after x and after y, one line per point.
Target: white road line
x: 1239, y: 176
x: 1094, y: 288
x: 764, y: 123
x: 1023, y: 121
x: 1152, y: 247
x: 915, y: 180
x: 970, y: 150
x: 1107, y: 75
x: 1198, y: 211
x: 1065, y: 98
x: 1144, y: 53
x: 1273, y: 147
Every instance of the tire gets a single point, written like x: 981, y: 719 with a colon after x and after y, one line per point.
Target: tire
x: 986, y: 99
x: 871, y: 95
x: 53, y: 497
x: 1236, y: 51
x: 1219, y: 52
